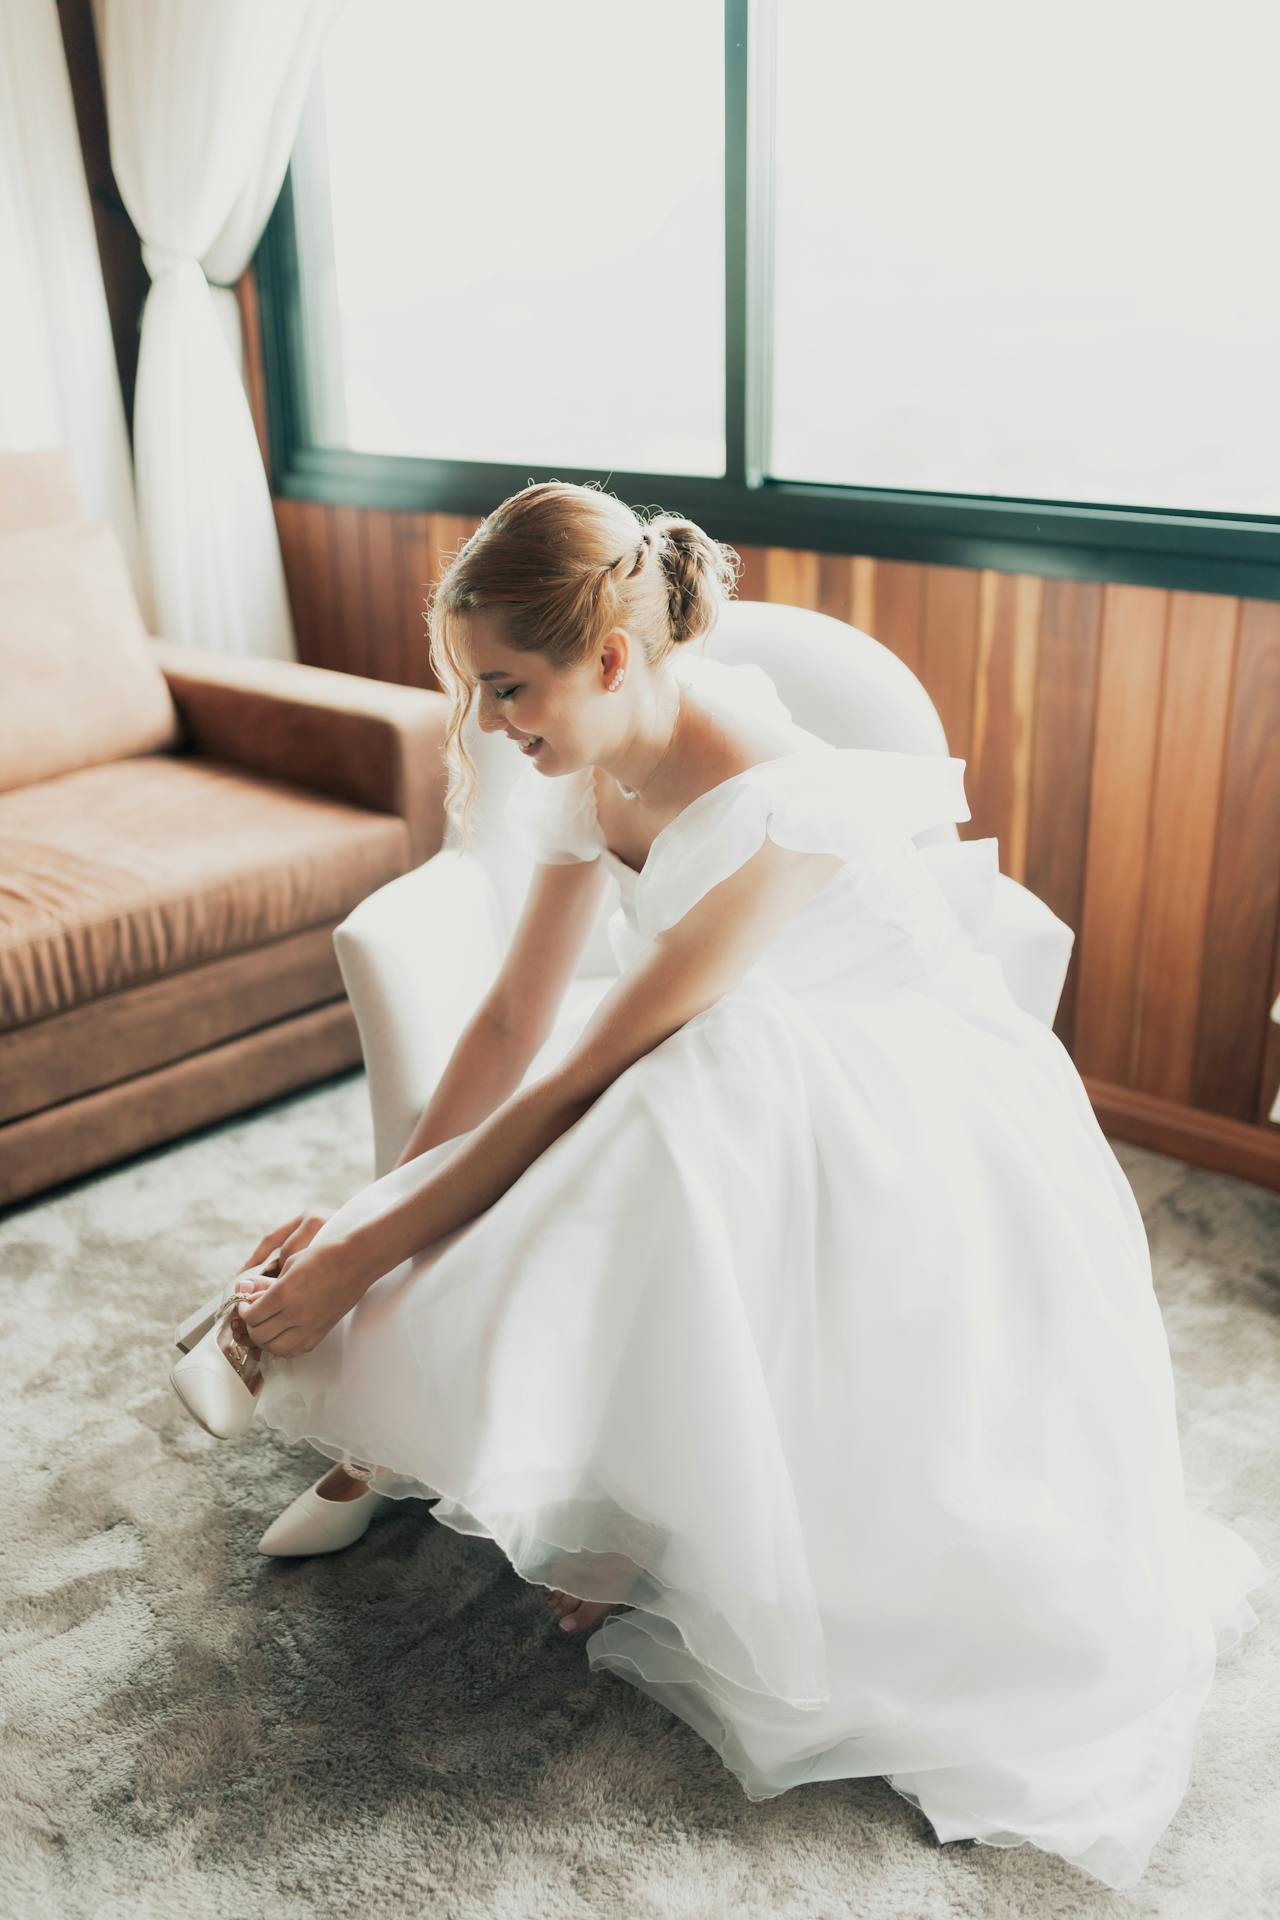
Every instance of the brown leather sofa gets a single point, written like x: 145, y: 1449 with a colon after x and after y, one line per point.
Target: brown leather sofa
x: 180, y: 833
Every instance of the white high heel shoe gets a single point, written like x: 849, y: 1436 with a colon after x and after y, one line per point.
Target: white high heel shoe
x: 218, y: 1377
x: 313, y: 1524
x: 197, y: 1324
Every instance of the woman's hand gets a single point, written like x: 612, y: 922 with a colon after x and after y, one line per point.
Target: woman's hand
x: 290, y: 1238
x: 314, y: 1288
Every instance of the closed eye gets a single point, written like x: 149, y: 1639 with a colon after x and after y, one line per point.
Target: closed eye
x: 506, y: 694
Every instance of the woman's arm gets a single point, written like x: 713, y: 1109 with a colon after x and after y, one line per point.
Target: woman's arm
x: 486, y: 1066
x: 496, y: 1047
x: 398, y: 1216
x: 686, y: 969
x: 404, y: 1212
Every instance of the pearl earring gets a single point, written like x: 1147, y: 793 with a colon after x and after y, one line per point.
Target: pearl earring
x: 615, y: 682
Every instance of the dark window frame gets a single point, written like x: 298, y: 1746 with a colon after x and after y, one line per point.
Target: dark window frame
x: 1207, y: 552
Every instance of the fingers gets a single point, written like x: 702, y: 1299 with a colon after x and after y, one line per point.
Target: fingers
x: 286, y: 1344
x: 278, y: 1237
x: 276, y: 1334
x: 292, y: 1237
x: 263, y: 1315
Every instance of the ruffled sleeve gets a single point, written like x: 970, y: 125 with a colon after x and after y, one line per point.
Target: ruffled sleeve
x: 849, y: 801
x: 553, y: 819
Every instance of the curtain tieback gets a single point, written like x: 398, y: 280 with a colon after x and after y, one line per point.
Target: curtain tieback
x: 158, y: 260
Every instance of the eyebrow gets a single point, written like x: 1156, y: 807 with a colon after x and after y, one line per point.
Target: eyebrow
x: 499, y: 673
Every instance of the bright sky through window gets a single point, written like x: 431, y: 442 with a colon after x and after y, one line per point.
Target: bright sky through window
x: 1029, y: 251
x: 510, y: 224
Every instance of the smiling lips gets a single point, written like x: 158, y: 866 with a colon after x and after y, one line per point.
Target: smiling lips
x: 531, y: 744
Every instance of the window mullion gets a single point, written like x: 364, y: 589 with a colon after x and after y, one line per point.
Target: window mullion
x: 758, y: 305
x: 750, y: 96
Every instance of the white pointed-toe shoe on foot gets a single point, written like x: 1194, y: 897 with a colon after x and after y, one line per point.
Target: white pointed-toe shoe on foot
x: 218, y: 1377
x: 312, y: 1524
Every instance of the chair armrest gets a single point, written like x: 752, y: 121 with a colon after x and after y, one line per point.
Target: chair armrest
x: 373, y: 742
x: 417, y: 957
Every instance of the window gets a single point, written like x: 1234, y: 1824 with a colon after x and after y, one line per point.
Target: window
x: 1054, y: 277
x: 510, y: 233
x: 988, y: 285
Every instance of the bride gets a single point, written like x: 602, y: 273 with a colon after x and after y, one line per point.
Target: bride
x: 796, y: 1329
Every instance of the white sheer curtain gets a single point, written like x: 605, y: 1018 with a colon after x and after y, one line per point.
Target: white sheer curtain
x: 203, y: 103
x: 59, y: 384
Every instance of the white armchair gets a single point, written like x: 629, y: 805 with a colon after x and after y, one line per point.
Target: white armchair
x: 418, y: 955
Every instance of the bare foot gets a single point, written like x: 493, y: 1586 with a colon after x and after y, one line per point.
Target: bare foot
x: 576, y: 1615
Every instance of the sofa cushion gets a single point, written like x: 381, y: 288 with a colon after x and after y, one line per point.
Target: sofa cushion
x: 80, y: 682
x: 132, y: 870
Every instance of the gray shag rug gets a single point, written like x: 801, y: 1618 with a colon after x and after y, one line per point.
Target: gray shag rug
x: 194, y: 1729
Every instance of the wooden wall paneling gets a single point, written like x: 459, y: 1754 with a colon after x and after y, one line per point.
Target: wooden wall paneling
x: 752, y: 580
x: 948, y: 654
x: 297, y: 574
x: 998, y: 776
x: 1199, y: 661
x: 435, y: 542
x: 125, y: 279
x: 863, y: 608
x: 1061, y: 757
x: 417, y: 568
x: 323, y: 633
x: 896, y: 616
x: 835, y: 586
x: 351, y: 589
x: 388, y: 641
x: 449, y: 532
x: 846, y: 589
x: 1122, y: 780
x: 246, y: 291
x: 1244, y: 893
x: 791, y: 577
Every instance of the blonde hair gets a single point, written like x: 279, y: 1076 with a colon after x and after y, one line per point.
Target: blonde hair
x: 557, y: 566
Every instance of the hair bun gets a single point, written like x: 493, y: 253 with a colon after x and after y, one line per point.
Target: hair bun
x: 701, y: 573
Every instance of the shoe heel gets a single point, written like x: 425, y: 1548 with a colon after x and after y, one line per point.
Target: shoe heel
x: 191, y: 1331
x: 197, y: 1324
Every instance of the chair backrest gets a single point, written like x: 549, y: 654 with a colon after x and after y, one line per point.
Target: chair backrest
x: 837, y: 681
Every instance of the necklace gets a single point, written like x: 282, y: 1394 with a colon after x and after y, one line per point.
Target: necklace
x: 633, y: 793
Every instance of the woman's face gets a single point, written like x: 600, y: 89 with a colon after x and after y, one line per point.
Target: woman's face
x: 520, y: 695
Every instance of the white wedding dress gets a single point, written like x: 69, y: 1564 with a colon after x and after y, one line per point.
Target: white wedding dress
x: 826, y: 1340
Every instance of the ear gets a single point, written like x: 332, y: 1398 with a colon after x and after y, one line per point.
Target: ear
x: 615, y: 654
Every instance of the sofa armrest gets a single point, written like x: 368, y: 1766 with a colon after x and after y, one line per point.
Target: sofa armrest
x: 373, y: 742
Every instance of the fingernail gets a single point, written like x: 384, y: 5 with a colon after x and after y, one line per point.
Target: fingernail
x: 567, y: 1625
